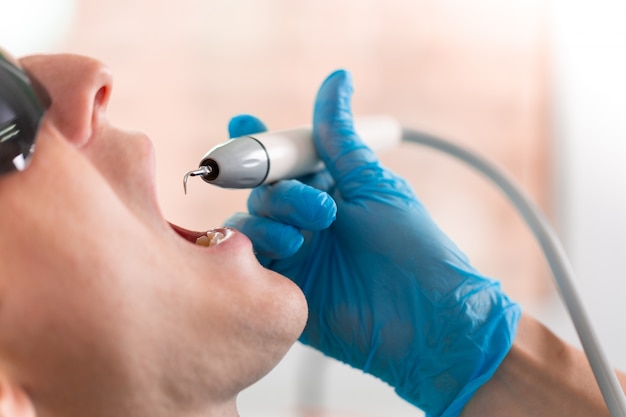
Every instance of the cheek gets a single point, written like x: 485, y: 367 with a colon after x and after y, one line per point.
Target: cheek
x: 67, y: 319
x: 56, y: 337
x: 87, y: 338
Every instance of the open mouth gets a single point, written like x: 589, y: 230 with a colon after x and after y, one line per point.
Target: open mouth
x: 210, y: 238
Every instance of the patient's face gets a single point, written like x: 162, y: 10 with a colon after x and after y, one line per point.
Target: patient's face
x: 105, y: 308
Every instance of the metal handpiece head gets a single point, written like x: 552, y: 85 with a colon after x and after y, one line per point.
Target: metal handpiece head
x: 202, y: 171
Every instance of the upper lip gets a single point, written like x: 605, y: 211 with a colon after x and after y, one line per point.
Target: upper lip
x: 189, y: 235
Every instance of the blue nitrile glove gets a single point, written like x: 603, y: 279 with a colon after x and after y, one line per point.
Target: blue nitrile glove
x: 388, y: 292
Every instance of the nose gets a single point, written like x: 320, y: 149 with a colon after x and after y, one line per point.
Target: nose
x: 79, y: 89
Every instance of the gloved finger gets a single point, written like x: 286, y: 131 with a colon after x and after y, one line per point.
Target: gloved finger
x: 245, y: 124
x: 270, y: 239
x: 321, y: 180
x: 293, y: 203
x: 350, y: 162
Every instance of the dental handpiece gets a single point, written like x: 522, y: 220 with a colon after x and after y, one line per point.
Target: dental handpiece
x: 253, y: 160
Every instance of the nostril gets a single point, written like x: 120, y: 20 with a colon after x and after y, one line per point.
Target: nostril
x: 101, y: 99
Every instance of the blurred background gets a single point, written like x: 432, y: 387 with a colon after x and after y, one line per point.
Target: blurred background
x: 535, y: 86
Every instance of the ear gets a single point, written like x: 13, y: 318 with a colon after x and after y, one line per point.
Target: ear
x: 14, y: 401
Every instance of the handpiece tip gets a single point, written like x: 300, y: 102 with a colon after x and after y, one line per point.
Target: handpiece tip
x: 202, y: 171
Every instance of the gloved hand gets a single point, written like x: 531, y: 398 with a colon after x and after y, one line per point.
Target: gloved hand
x: 388, y: 292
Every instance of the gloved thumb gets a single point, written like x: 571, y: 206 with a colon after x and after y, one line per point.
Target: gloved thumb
x: 350, y: 162
x: 245, y: 124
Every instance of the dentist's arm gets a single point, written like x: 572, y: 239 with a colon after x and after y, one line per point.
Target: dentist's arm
x: 542, y: 376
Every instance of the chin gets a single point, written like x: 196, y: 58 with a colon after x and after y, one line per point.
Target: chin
x: 296, y: 323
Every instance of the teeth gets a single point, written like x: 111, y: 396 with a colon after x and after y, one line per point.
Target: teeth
x: 211, y: 238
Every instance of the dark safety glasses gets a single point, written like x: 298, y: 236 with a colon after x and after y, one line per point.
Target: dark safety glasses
x: 23, y: 102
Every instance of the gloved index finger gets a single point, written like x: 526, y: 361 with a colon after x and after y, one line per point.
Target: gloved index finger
x: 294, y: 203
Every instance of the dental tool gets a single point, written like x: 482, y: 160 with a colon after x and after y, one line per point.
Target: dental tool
x: 254, y: 160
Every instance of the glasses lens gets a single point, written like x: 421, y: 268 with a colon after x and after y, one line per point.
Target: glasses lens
x: 21, y: 111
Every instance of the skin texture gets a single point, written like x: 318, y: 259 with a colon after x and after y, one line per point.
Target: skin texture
x: 541, y: 376
x: 104, y: 309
